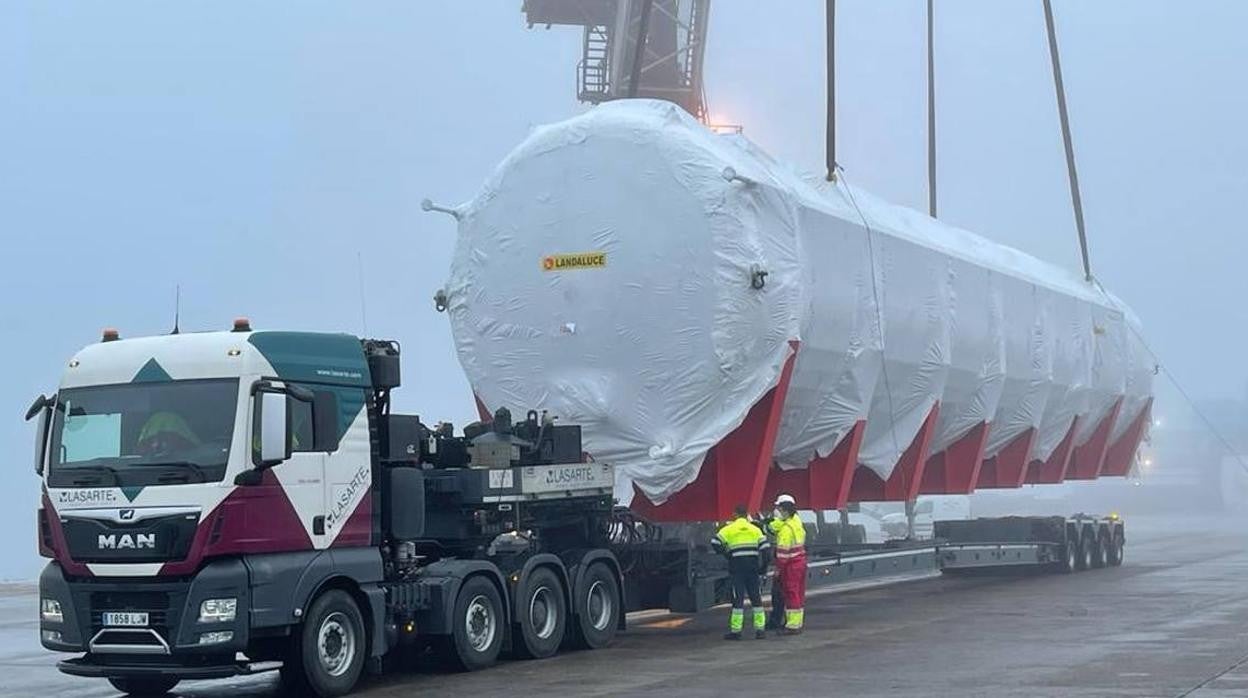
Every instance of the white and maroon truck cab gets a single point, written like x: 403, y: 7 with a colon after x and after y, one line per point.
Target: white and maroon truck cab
x: 182, y: 515
x: 229, y: 502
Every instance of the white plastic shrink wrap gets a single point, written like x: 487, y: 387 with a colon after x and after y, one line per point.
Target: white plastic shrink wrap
x: 632, y: 272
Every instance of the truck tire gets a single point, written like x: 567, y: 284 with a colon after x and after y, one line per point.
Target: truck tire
x: 1087, y: 544
x: 597, y: 607
x: 1100, y: 551
x: 1117, y: 547
x: 144, y: 685
x: 542, y: 614
x: 478, y: 625
x: 329, y: 650
x: 1070, y: 557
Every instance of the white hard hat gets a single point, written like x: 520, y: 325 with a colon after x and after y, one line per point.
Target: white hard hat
x: 786, y: 499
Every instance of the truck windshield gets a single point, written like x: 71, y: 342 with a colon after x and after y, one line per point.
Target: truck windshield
x: 142, y: 434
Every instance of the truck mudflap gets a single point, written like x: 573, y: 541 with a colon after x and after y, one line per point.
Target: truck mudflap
x: 90, y: 667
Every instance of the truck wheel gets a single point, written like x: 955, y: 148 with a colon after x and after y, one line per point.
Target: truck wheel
x: 542, y: 614
x: 597, y: 604
x: 1070, y: 557
x: 144, y: 685
x: 1086, y: 545
x: 331, y: 647
x: 478, y: 625
x: 1116, y: 549
x: 1100, y: 552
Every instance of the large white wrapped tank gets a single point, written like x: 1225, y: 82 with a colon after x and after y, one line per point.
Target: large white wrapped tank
x: 636, y: 274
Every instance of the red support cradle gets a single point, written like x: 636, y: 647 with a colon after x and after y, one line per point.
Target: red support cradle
x: 1008, y: 468
x: 956, y: 469
x: 735, y: 469
x: 1121, y: 454
x: 1087, y: 460
x: 903, y: 484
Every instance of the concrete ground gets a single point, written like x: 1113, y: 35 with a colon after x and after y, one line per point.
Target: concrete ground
x: 1173, y: 621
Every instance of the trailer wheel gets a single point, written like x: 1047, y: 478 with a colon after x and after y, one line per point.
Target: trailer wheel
x: 1116, y: 549
x: 1087, y: 543
x: 478, y: 625
x: 543, y: 615
x: 1100, y: 551
x: 144, y: 685
x: 1070, y: 557
x: 329, y: 649
x: 597, y: 604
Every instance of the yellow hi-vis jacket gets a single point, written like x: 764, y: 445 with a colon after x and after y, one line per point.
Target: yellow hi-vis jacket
x: 740, y: 538
x: 790, y: 538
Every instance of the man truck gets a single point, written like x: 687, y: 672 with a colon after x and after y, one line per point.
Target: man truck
x: 224, y: 503
x: 227, y: 503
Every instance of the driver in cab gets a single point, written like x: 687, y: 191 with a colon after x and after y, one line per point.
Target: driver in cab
x: 164, y: 433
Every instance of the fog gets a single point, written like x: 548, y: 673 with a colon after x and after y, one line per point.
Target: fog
x: 269, y: 160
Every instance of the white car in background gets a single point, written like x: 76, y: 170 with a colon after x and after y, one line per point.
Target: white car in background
x: 928, y: 510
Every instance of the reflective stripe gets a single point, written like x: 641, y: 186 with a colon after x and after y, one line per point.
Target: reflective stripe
x: 740, y: 537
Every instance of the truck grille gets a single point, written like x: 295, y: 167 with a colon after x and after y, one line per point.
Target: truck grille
x: 154, y: 603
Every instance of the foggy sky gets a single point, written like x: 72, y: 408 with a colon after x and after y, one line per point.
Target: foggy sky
x: 252, y: 153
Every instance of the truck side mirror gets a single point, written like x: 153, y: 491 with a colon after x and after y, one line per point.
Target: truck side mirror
x: 42, y: 408
x: 273, y: 428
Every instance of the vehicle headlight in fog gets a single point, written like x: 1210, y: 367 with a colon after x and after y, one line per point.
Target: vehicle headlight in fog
x: 217, y: 610
x: 50, y: 610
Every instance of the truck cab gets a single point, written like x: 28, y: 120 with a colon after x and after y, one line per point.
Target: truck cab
x: 228, y: 502
x: 169, y: 462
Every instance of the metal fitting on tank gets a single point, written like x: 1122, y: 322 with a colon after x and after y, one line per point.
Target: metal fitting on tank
x: 731, y: 175
x: 428, y: 205
x: 758, y: 277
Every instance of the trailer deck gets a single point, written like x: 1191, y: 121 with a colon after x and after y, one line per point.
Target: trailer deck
x: 679, y: 573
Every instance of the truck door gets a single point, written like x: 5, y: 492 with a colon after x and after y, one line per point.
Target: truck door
x: 302, y: 477
x: 348, y: 471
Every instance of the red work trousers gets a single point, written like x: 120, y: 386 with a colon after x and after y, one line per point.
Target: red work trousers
x: 791, y: 577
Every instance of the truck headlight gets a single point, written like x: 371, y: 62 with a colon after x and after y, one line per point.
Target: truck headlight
x: 217, y: 610
x: 50, y: 610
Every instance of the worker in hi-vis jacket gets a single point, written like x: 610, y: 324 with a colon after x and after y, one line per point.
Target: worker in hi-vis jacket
x: 745, y: 546
x: 790, y: 550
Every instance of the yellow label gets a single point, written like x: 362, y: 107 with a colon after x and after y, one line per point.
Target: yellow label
x: 580, y: 260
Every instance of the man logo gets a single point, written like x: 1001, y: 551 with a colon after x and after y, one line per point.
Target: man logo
x: 126, y: 514
x: 126, y: 541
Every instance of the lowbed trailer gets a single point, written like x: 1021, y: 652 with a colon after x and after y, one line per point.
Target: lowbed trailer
x: 678, y: 571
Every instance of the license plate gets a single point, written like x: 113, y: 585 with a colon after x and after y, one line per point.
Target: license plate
x: 132, y: 619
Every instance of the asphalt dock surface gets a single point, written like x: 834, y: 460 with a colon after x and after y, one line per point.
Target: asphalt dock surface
x: 1172, y: 621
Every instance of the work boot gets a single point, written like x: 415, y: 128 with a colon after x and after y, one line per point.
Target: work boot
x: 790, y: 631
x: 732, y: 636
x: 760, y: 634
